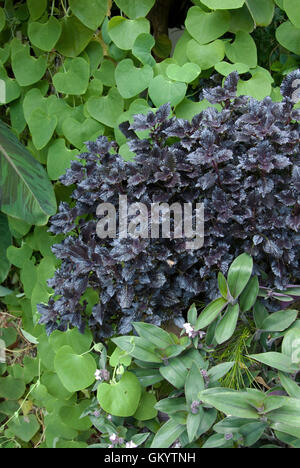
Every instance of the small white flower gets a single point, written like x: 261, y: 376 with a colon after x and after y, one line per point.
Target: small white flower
x: 130, y: 444
x: 109, y: 417
x: 188, y: 329
x: 98, y: 375
x: 113, y: 438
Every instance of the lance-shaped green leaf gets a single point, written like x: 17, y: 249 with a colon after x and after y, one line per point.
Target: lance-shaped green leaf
x: 249, y: 295
x: 230, y: 402
x: 167, y: 434
x: 193, y: 384
x: 277, y: 360
x: 210, y: 313
x: 288, y: 413
x: 25, y: 190
x: 227, y: 325
x: 239, y: 274
x: 279, y: 321
x: 155, y: 335
x: 291, y: 387
x: 138, y: 348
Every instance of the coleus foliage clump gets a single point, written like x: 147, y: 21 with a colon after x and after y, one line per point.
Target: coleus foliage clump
x: 242, y: 162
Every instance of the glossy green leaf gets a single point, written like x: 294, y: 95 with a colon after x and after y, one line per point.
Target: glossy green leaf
x: 230, y: 402
x: 124, y: 32
x: 162, y: 91
x: 137, y: 348
x: 210, y: 313
x: 249, y: 295
x: 142, y: 47
x: 59, y: 159
x: 11, y: 388
x: 171, y: 405
x: 75, y: 78
x: 5, y: 243
x: 36, y: 8
x: 292, y: 8
x: 279, y: 321
x: 75, y: 371
x: 45, y: 35
x: 79, y: 342
x: 119, y: 357
x: 277, y: 360
x: 241, y: 20
x: 106, y: 109
x: 132, y: 80
x: 17, y: 256
x: 217, y: 372
x: 291, y: 345
x: 24, y: 427
x: 91, y: 15
x: 205, y: 56
x: 121, y: 398
x: 77, y: 133
x: 242, y: 49
x: 175, y: 372
x: 167, y: 434
x: 227, y: 325
x: 223, y: 4
x: 288, y: 36
x: 239, y: 274
x: 42, y: 134
x: 135, y: 8
x: 26, y: 191
x: 261, y: 12
x: 146, y: 409
x: 193, y: 384
x: 153, y: 334
x: 12, y: 89
x: 206, y: 27
x: 187, y: 73
x: 74, y: 38
x: 28, y: 69
x: 290, y: 386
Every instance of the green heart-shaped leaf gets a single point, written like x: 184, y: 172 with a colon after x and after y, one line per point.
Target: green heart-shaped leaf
x: 36, y: 8
x: 59, y: 159
x: 142, y: 47
x: 106, y: 109
x: 243, y: 49
x: 135, y: 8
x: 41, y: 134
x: 187, y: 73
x: 146, y: 408
x: 122, y: 398
x: 223, y: 4
x: 162, y: 91
x: 91, y: 15
x: 77, y: 133
x: 226, y: 68
x: 24, y: 427
x: 74, y: 38
x: 45, y: 35
x: 206, y: 56
x: 10, y: 90
x: 261, y: 12
x: 258, y: 86
x: 289, y: 37
x: 75, y: 79
x: 292, y: 9
x: 123, y: 32
x: 27, y: 69
x: 206, y: 27
x: 75, y: 371
x: 131, y: 80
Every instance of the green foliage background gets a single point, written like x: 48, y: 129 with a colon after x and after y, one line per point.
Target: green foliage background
x: 74, y: 70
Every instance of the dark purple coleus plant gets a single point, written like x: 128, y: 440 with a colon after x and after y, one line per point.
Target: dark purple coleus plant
x: 242, y: 162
